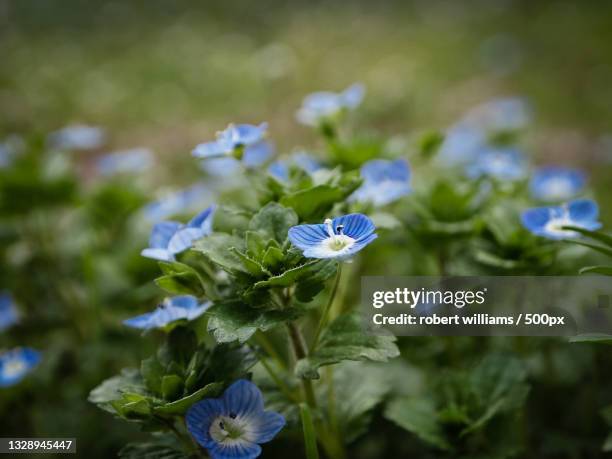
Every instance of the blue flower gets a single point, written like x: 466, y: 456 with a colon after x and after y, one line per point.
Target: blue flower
x: 461, y: 145
x: 504, y: 164
x: 339, y: 238
x: 383, y: 182
x: 500, y: 114
x: 176, y: 203
x: 171, y: 238
x: 184, y: 307
x: 10, y: 148
x: 280, y: 169
x: 77, y: 137
x: 232, y: 141
x: 555, y: 184
x: 549, y: 221
x: 228, y: 166
x: 8, y: 312
x: 16, y: 364
x: 324, y: 106
x: 127, y: 161
x: 234, y: 425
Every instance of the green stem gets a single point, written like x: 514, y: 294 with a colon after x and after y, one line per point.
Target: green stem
x: 278, y: 381
x: 299, y: 347
x: 267, y: 346
x: 310, y: 437
x: 325, y: 313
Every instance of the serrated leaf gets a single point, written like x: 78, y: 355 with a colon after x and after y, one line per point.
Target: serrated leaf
x: 313, y: 203
x: 310, y: 286
x: 255, y: 244
x: 273, y: 258
x: 180, y: 406
x: 152, y: 372
x: 252, y: 266
x: 290, y: 276
x: 343, y: 340
x: 171, y: 386
x: 217, y: 248
x: 228, y: 219
x: 237, y: 321
x: 273, y: 221
x: 418, y: 416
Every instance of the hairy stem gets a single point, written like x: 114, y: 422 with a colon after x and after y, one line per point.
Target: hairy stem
x: 299, y: 347
x: 325, y: 313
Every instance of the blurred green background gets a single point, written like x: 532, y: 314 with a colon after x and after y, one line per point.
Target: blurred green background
x: 168, y: 74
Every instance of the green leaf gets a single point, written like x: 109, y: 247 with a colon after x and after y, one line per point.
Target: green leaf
x: 597, y: 235
x: 152, y: 372
x: 162, y: 447
x: 592, y: 338
x: 182, y: 282
x: 237, y: 321
x: 273, y: 258
x: 429, y: 143
x: 255, y: 244
x: 313, y: 203
x: 217, y: 248
x: 253, y: 267
x: 180, y: 345
x: 180, y: 406
x: 273, y: 221
x: 229, y: 219
x: 113, y: 388
x: 291, y: 276
x: 605, y: 270
x: 419, y: 416
x: 310, y: 286
x: 605, y: 250
x: 171, y: 386
x: 345, y: 339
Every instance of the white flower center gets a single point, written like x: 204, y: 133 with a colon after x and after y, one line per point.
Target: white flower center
x: 13, y: 368
x: 555, y: 226
x: 227, y: 429
x: 337, y: 241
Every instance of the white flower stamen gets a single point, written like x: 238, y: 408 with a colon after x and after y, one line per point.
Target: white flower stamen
x: 337, y: 240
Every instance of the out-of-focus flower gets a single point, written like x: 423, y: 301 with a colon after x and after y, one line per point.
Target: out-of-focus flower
x: 176, y: 203
x: 549, y: 221
x: 340, y: 238
x: 183, y: 307
x: 556, y: 184
x: 16, y: 364
x: 9, y: 315
x: 280, y: 169
x: 233, y: 141
x: 461, y: 145
x: 125, y: 161
x: 77, y: 137
x: 505, y: 164
x: 10, y: 147
x: 234, y: 425
x: 383, y: 182
x: 500, y: 114
x: 171, y: 238
x: 324, y: 106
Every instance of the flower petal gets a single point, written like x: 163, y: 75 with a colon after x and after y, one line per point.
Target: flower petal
x: 210, y: 150
x: 162, y: 233
x: 307, y: 236
x: 584, y: 211
x: 263, y: 427
x: 243, y: 398
x: 355, y: 225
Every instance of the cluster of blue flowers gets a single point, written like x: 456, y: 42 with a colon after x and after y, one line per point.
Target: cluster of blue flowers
x: 15, y: 364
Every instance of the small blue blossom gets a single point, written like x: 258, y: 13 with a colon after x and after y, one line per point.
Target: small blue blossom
x: 461, y: 145
x: 16, y: 364
x: 126, y: 161
x: 280, y: 169
x: 10, y: 148
x: 171, y: 238
x: 77, y: 137
x: 500, y: 114
x: 233, y: 141
x: 383, y: 182
x: 340, y: 238
x: 323, y: 106
x: 234, y: 425
x: 183, y: 307
x: 549, y: 221
x: 505, y: 164
x: 176, y: 203
x: 556, y: 184
x: 8, y: 311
